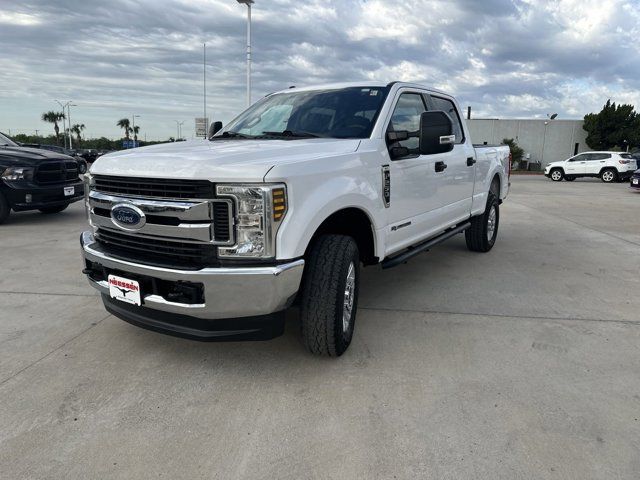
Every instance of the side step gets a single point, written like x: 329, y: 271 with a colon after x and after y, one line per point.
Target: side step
x: 421, y: 247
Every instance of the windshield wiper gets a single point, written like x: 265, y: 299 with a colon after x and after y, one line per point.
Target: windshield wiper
x: 230, y: 134
x: 293, y: 134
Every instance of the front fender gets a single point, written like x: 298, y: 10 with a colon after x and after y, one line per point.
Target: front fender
x: 313, y: 201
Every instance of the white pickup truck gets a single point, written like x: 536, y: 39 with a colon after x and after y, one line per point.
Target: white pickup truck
x: 214, y: 239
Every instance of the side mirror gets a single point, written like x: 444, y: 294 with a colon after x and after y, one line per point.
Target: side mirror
x: 436, y: 133
x: 214, y: 128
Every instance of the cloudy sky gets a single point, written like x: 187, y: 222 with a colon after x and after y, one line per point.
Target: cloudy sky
x: 117, y: 58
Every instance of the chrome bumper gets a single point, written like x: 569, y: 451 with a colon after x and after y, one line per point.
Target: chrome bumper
x: 228, y: 292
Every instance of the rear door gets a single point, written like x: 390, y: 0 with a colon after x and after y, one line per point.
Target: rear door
x: 595, y: 162
x: 456, y: 181
x: 576, y: 165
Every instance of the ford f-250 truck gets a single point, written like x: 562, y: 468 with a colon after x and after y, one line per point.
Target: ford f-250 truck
x: 214, y: 239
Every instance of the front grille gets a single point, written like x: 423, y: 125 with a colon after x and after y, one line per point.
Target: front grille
x: 57, y: 172
x: 155, y: 251
x: 154, y: 187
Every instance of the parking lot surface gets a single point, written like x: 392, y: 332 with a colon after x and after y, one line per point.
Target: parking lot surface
x: 520, y: 363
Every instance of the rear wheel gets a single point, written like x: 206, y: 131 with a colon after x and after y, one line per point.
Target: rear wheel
x: 609, y: 175
x: 5, y: 209
x: 482, y: 234
x: 330, y: 295
x: 556, y: 175
x: 49, y: 210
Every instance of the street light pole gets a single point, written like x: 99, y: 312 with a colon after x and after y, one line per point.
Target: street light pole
x: 248, y: 3
x: 551, y: 118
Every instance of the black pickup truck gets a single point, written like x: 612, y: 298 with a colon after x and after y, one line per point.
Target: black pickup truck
x: 37, y: 179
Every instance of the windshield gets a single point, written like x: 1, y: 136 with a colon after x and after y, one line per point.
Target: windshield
x: 345, y: 113
x: 6, y: 142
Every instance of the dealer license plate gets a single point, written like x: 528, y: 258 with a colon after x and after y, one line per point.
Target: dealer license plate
x: 68, y: 191
x: 636, y: 181
x: 124, y: 290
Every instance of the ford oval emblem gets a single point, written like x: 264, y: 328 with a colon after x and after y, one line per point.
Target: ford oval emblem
x: 127, y: 216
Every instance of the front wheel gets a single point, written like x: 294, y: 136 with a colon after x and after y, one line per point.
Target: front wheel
x: 330, y: 295
x: 49, y: 210
x: 557, y: 175
x: 482, y: 234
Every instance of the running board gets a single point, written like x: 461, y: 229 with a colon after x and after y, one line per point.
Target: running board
x: 421, y: 247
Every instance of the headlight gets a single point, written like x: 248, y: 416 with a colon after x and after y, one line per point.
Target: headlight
x: 18, y: 173
x: 260, y: 210
x: 82, y: 166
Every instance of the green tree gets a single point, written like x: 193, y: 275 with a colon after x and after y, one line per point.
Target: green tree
x: 135, y: 131
x: 77, y: 129
x: 54, y: 117
x: 124, y: 123
x: 516, y: 151
x: 614, y: 126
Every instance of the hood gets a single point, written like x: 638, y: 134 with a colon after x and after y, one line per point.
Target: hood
x: 28, y: 156
x: 555, y: 164
x: 233, y: 160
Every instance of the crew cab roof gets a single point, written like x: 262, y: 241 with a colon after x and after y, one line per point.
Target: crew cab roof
x: 363, y: 84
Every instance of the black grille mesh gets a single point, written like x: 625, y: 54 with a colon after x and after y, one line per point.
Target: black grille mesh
x: 156, y: 251
x: 154, y: 187
x: 57, y: 172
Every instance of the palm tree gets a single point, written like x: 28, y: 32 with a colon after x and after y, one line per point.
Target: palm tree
x: 124, y: 123
x: 136, y: 130
x: 53, y: 117
x: 77, y: 129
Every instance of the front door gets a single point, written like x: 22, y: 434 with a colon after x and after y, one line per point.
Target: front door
x: 576, y: 165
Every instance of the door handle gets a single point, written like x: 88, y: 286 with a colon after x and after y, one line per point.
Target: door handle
x: 440, y: 166
x: 471, y: 161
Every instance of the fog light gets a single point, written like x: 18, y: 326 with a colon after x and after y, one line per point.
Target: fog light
x: 28, y: 198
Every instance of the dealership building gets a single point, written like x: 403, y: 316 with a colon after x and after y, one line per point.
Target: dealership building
x: 543, y: 141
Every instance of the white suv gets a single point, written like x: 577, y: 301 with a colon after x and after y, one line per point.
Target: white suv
x: 608, y: 166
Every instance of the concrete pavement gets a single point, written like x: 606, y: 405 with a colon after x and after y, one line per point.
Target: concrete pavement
x: 520, y: 363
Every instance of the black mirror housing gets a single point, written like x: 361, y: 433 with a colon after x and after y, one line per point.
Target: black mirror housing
x: 214, y: 128
x: 436, y: 133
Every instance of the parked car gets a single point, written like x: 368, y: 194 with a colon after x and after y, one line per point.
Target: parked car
x: 608, y: 166
x: 635, y: 180
x: 213, y: 239
x: 36, y: 179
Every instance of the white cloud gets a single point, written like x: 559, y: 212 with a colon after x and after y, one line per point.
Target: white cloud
x: 505, y: 58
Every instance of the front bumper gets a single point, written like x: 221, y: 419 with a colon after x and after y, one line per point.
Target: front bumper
x: 227, y: 293
x: 41, y: 196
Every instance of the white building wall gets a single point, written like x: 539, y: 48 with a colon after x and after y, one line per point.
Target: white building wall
x: 543, y: 143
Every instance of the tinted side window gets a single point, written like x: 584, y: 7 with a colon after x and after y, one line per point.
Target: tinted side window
x: 448, y: 106
x: 406, y: 116
x: 599, y: 156
x: 580, y: 158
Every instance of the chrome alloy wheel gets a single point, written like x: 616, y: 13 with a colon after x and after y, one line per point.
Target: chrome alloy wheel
x: 607, y: 176
x: 556, y: 175
x: 349, y: 292
x: 491, y: 223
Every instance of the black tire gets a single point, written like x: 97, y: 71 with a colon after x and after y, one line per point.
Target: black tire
x: 557, y: 174
x: 324, y: 288
x: 609, y: 175
x: 50, y: 210
x: 569, y: 178
x: 5, y: 209
x: 477, y: 235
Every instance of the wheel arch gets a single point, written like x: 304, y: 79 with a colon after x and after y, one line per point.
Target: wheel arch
x: 353, y: 222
